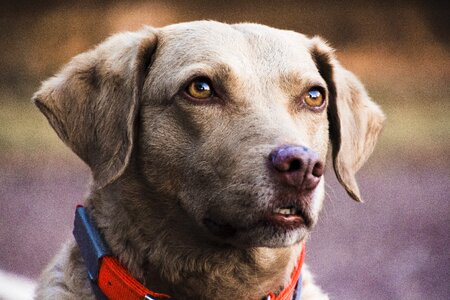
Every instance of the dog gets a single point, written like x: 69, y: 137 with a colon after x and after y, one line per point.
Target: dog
x: 207, y: 144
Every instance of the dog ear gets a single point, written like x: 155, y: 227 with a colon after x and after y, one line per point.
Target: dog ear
x: 355, y: 120
x: 92, y: 103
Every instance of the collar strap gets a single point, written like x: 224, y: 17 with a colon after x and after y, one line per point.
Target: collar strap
x: 293, y: 290
x: 111, y: 281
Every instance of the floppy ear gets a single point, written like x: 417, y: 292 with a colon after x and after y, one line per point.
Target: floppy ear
x: 355, y: 120
x: 92, y: 103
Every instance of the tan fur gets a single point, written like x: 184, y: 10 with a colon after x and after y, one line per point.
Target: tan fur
x: 161, y: 163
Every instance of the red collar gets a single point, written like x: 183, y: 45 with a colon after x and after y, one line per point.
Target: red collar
x: 110, y: 280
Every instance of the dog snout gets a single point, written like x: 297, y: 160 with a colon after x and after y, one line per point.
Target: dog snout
x: 297, y: 166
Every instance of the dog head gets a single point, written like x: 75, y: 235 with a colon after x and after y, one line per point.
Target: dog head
x: 230, y: 122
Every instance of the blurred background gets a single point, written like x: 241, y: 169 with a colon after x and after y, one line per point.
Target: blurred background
x: 394, y: 246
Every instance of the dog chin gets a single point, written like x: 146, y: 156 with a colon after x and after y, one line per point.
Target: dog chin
x: 263, y: 234
x: 270, y: 238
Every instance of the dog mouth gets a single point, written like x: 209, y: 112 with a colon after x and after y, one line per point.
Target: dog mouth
x: 283, y: 218
x: 287, y: 217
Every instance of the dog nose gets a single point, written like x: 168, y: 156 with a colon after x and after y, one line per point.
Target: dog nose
x: 297, y: 166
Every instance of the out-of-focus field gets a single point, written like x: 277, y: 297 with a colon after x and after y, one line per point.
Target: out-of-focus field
x: 395, y: 246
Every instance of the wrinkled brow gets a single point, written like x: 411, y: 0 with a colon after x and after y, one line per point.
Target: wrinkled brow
x: 295, y: 83
x: 171, y: 81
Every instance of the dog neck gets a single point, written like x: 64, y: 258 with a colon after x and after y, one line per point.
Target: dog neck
x: 154, y: 240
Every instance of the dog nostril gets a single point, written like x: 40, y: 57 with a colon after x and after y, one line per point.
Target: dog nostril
x: 295, y: 165
x: 318, y: 169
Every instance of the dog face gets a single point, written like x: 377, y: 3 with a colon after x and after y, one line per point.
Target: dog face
x: 213, y: 152
x: 230, y: 123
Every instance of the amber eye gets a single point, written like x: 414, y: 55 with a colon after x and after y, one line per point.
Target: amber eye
x: 314, y: 98
x: 200, y: 88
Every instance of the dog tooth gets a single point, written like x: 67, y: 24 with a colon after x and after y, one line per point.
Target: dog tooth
x: 283, y: 211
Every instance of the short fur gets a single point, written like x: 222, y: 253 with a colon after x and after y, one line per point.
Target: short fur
x: 163, y: 164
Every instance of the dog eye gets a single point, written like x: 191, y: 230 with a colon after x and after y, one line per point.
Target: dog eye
x: 314, y: 98
x: 200, y: 88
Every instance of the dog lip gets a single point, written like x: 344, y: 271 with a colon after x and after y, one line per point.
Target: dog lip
x: 286, y: 221
x: 290, y: 208
x: 284, y: 214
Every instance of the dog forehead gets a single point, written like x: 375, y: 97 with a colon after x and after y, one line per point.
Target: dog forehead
x: 243, y: 47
